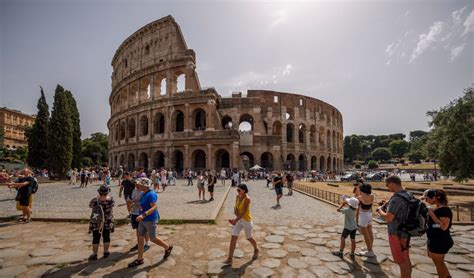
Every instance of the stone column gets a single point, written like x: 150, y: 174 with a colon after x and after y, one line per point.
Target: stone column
x: 211, y: 104
x: 209, y: 157
x: 235, y: 155
x: 187, y: 119
x: 187, y: 160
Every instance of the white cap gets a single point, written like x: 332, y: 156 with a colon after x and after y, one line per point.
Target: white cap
x: 352, y: 201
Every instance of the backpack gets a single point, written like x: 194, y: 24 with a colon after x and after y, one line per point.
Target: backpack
x: 416, y: 220
x: 97, y: 215
x: 215, y: 179
x: 34, y: 186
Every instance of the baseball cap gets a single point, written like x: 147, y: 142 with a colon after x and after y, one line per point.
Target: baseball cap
x: 146, y: 182
x: 352, y: 201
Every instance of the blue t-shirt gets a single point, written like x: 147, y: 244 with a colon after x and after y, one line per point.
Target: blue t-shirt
x: 147, y: 198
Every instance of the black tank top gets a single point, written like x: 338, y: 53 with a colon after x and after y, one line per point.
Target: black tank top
x: 365, y: 207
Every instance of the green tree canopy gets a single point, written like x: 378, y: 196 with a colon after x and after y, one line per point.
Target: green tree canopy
x: 399, y: 147
x: 94, y: 149
x: 381, y: 154
x: 76, y: 131
x: 37, y: 135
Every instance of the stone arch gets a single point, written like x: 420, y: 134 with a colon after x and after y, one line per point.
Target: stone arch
x: 312, y: 134
x: 131, y: 162
x: 289, y: 132
x: 132, y: 127
x: 227, y: 122
x: 124, y: 99
x: 199, y: 119
x: 321, y: 135
x: 246, y: 122
x: 163, y: 87
x: 334, y: 165
x: 143, y: 161
x: 247, y: 159
x: 122, y: 160
x: 322, y: 164
x: 158, y: 160
x: 180, y: 82
x: 222, y: 158
x: 290, y: 114
x: 301, y: 162
x: 145, y: 89
x: 115, y: 162
x: 177, y: 120
x: 122, y: 131
x: 276, y: 130
x: 159, y: 123
x: 199, y: 160
x: 177, y: 161
x: 328, y: 139
x: 143, y: 125
x: 314, y: 161
x: 334, y: 142
x: 266, y: 160
x: 301, y: 133
x: 134, y: 93
x: 290, y: 162
x: 329, y: 164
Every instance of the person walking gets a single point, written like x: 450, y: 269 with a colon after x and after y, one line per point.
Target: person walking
x: 439, y: 222
x: 211, y: 181
x: 364, y: 216
x: 278, y: 186
x: 289, y: 183
x: 133, y: 205
x: 200, y: 186
x: 163, y: 179
x: 119, y: 175
x: 243, y: 220
x: 147, y: 220
x: 394, y: 213
x: 127, y: 188
x: 350, y: 225
x: 101, y: 221
x: 223, y: 176
x: 190, y: 178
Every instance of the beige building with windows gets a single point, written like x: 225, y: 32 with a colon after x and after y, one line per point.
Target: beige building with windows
x: 13, y: 123
x: 161, y: 117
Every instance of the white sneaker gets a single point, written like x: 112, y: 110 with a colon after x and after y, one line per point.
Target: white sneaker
x: 368, y: 254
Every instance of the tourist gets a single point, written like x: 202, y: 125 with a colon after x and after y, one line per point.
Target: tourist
x: 120, y: 175
x: 127, y: 188
x: 350, y: 225
x: 200, y: 186
x: 190, y: 178
x: 278, y: 186
x: 211, y: 181
x: 223, y: 176
x: 439, y: 223
x: 235, y: 178
x: 364, y: 213
x: 83, y: 177
x: 289, y: 183
x: 107, y: 178
x: 147, y: 220
x: 394, y: 213
x: 163, y: 179
x: 133, y: 206
x: 24, y: 186
x: 102, y: 221
x: 243, y: 220
x: 140, y: 173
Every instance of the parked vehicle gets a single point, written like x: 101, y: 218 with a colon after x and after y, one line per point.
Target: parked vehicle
x: 350, y: 177
x: 378, y: 176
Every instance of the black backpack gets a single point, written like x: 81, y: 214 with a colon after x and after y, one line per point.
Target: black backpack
x: 34, y: 186
x: 98, y: 215
x: 416, y: 220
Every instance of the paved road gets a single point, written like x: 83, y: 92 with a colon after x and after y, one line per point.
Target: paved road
x: 298, y: 208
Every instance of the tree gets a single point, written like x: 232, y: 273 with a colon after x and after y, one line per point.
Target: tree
x: 382, y: 154
x: 372, y: 164
x: 94, y: 149
x: 37, y: 135
x: 452, y: 136
x: 76, y: 131
x: 60, y: 135
x: 397, y: 136
x: 417, y: 134
x: 399, y: 147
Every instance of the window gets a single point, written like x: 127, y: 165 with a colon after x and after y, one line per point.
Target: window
x: 125, y: 62
x: 147, y: 50
x: 275, y: 99
x: 301, y: 102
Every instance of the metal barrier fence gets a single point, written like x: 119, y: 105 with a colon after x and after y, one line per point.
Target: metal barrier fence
x: 461, y: 214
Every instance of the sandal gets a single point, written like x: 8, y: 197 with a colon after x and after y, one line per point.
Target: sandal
x: 135, y: 263
x: 168, y: 252
x: 227, y: 262
x: 106, y: 254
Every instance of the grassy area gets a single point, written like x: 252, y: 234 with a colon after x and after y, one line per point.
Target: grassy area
x: 421, y: 166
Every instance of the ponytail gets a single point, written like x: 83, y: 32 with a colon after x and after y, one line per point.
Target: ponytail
x: 441, y: 197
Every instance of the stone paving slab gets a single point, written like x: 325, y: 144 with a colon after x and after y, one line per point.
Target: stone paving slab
x: 66, y: 202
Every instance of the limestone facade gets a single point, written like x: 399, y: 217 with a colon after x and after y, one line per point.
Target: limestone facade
x: 161, y: 117
x: 13, y: 122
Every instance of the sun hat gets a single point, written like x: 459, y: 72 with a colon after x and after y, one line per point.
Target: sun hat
x: 103, y: 190
x: 146, y: 182
x: 352, y: 201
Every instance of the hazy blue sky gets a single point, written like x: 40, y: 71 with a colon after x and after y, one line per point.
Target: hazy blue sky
x: 383, y: 64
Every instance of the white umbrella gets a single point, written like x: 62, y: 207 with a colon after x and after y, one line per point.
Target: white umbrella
x: 256, y: 167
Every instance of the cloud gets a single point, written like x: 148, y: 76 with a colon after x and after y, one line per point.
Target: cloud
x: 257, y: 80
x: 287, y: 70
x: 279, y: 17
x: 456, y: 15
x: 456, y: 51
x: 426, y: 40
x: 469, y: 24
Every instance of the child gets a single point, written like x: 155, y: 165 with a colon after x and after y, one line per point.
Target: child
x: 350, y: 226
x: 101, y: 221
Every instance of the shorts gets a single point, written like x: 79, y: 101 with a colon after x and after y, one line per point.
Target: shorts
x: 147, y: 227
x: 399, y: 248
x: 24, y: 200
x: 347, y: 232
x: 200, y: 185
x: 210, y: 188
x: 243, y: 224
x: 440, y: 245
x: 365, y: 218
x: 279, y: 190
x: 133, y: 221
x: 127, y: 196
x: 289, y: 184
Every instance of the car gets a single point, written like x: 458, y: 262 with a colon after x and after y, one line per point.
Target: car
x: 350, y: 177
x: 378, y: 176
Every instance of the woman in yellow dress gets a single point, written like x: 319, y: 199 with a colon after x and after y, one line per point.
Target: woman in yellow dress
x: 243, y: 220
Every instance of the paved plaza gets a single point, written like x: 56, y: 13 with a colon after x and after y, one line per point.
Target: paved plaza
x: 295, y: 241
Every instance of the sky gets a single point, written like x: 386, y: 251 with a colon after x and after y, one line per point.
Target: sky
x: 383, y: 64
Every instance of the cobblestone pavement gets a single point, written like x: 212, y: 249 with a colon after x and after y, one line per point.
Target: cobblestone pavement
x: 62, y: 201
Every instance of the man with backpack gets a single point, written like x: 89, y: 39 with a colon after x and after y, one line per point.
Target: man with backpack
x: 211, y: 181
x: 396, y: 213
x: 26, y: 185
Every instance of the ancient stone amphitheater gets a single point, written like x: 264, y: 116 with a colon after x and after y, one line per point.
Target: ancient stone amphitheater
x: 161, y: 117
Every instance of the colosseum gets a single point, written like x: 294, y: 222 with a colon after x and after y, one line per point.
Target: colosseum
x: 162, y: 117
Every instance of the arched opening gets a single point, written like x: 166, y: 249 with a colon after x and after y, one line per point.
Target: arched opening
x: 181, y: 83
x: 247, y: 159
x: 312, y: 134
x: 143, y: 161
x: 159, y: 123
x: 131, y: 128
x: 329, y: 164
x: 246, y: 123
x: 116, y: 132
x: 227, y: 122
x: 163, y: 87
x: 321, y: 135
x: 334, y: 143
x: 115, y: 161
x: 131, y: 162
x: 199, y: 160
x: 301, y: 133
x: 265, y: 125
x: 328, y: 139
x: 290, y: 162
x: 158, y: 160
x: 122, y: 160
x: 334, y: 164
x: 222, y: 159
x: 314, y: 161
x: 301, y: 162
x: 177, y: 161
x: 143, y: 125
x: 289, y: 132
x: 178, y: 121
x: 266, y: 160
x: 276, y: 129
x: 122, y: 130
x: 322, y: 164
x: 199, y: 117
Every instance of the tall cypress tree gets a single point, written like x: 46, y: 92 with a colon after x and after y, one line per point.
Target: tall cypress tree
x: 38, y: 135
x: 76, y: 131
x: 60, y: 134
